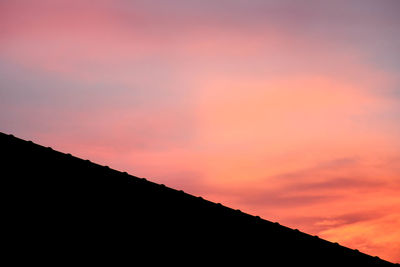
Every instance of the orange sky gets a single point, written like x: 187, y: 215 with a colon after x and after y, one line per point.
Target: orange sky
x: 285, y: 110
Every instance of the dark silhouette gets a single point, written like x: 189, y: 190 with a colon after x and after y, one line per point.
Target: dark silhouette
x: 59, y: 208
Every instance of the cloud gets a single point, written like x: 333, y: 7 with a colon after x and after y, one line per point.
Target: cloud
x: 332, y: 184
x: 329, y: 165
x: 282, y: 200
x: 378, y: 236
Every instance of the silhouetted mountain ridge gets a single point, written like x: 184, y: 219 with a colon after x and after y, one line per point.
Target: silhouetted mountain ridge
x: 62, y: 207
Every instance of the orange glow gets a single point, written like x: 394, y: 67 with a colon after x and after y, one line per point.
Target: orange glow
x: 282, y: 113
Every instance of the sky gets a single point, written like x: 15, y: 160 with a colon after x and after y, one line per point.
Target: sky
x: 285, y: 109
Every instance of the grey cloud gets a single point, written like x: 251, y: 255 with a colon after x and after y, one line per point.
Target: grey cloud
x: 316, y: 224
x: 334, y: 183
x: 276, y: 200
x: 318, y: 169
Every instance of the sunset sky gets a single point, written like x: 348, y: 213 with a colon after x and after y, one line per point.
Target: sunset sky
x: 285, y: 109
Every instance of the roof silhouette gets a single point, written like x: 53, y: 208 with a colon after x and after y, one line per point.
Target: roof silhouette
x: 65, y: 209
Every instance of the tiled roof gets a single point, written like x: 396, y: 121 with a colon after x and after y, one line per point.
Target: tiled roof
x: 69, y: 208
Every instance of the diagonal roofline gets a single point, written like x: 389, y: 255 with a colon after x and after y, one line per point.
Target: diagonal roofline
x: 132, y: 181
